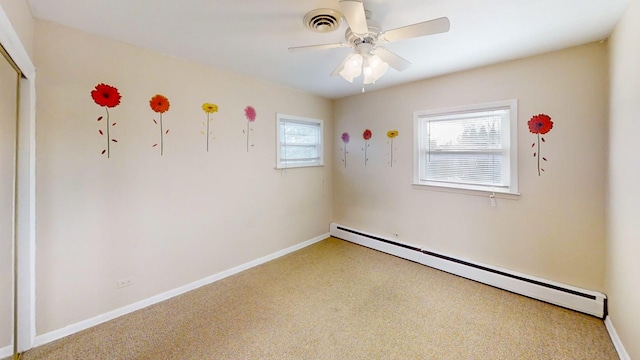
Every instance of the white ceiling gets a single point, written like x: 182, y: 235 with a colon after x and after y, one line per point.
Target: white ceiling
x: 251, y: 37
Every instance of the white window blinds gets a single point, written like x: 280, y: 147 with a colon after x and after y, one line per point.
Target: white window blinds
x: 299, y: 142
x: 468, y: 149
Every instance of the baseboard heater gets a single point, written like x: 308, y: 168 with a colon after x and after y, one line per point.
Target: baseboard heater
x: 585, y: 301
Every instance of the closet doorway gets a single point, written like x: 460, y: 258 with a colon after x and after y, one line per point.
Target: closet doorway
x: 9, y: 104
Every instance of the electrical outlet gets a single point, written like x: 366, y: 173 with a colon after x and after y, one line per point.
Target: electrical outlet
x: 124, y: 282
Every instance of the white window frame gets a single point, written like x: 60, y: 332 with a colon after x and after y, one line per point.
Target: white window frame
x: 509, y: 145
x: 283, y: 163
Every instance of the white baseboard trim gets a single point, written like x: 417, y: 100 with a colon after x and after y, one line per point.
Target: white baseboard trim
x: 85, y: 324
x: 586, y: 301
x: 6, y: 351
x: 617, y: 343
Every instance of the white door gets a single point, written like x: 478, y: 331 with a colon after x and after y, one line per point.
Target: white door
x: 8, y: 120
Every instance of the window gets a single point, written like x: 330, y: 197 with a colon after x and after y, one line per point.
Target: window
x: 299, y: 142
x: 471, y: 147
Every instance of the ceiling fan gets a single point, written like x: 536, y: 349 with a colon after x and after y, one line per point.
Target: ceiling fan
x: 364, y: 35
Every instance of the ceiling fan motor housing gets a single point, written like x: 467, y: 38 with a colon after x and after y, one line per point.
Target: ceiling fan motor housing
x: 367, y: 41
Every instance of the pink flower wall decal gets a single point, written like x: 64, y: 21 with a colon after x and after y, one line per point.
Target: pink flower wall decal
x: 250, y: 114
x: 345, y: 141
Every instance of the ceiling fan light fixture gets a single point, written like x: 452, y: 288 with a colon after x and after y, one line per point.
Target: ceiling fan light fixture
x: 377, y: 66
x: 352, y: 67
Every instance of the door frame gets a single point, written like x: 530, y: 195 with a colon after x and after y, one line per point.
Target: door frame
x: 26, y: 180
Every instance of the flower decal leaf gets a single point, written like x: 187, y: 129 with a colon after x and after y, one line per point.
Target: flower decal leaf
x: 100, y: 118
x: 100, y: 131
x: 539, y: 125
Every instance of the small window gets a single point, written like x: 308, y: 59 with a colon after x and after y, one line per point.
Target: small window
x: 299, y: 142
x: 472, y: 147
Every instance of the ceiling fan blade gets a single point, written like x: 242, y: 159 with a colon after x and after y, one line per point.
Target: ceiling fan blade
x: 435, y: 26
x: 353, y: 11
x: 318, y: 47
x: 394, y: 60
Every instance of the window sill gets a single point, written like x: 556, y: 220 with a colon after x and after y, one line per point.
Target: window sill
x: 297, y: 167
x: 483, y: 193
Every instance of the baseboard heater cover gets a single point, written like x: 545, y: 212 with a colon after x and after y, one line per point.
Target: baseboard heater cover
x: 585, y: 301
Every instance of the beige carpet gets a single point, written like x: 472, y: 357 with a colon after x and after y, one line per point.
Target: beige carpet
x: 337, y: 300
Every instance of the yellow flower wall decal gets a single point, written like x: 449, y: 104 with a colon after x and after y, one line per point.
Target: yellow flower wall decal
x: 209, y: 109
x: 391, y: 134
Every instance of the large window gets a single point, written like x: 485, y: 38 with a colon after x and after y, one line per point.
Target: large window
x: 472, y: 147
x: 299, y: 142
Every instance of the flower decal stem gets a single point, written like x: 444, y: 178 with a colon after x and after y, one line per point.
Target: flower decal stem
x: 366, y: 135
x: 209, y: 109
x: 539, y: 124
x: 250, y: 114
x: 160, y: 104
x: 391, y: 134
x: 345, y: 141
x: 106, y: 96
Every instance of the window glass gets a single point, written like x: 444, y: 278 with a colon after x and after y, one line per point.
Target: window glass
x: 299, y: 142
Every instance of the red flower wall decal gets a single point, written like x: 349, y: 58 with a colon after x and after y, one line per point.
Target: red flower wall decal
x: 160, y: 104
x: 366, y: 135
x: 106, y: 96
x: 250, y: 114
x: 540, y: 124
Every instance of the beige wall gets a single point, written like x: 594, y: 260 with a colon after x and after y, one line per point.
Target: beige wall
x: 554, y: 230
x: 19, y: 14
x: 165, y: 221
x: 623, y: 265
